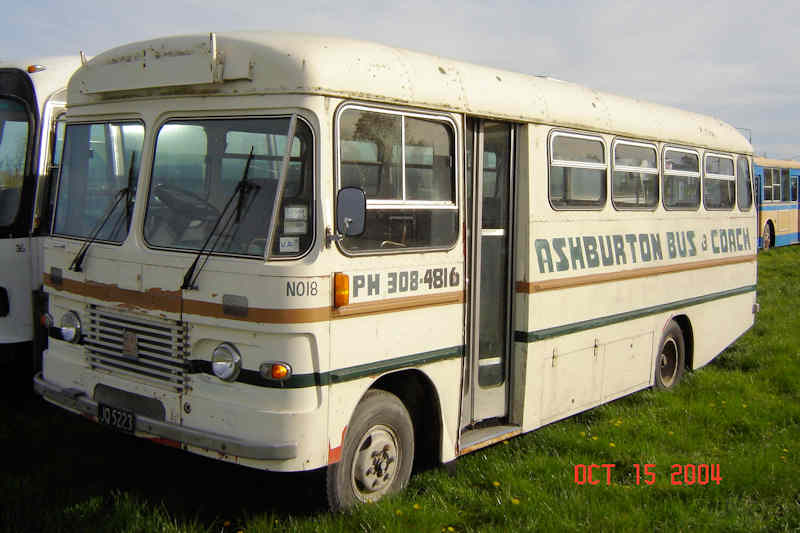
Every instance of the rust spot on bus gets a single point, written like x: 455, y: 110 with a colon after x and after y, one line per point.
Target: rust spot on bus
x: 166, y: 442
x: 335, y: 454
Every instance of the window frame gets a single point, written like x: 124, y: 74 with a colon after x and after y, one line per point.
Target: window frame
x: 403, y: 204
x: 721, y: 177
x: 684, y: 173
x: 551, y: 162
x: 315, y: 211
x: 625, y: 168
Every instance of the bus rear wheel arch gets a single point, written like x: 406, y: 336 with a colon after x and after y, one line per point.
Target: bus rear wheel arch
x: 671, y: 358
x: 377, y: 452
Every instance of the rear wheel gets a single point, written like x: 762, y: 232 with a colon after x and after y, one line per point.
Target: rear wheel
x: 671, y: 358
x: 767, y: 237
x: 377, y: 452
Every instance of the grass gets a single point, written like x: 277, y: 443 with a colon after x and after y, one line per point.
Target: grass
x: 65, y: 474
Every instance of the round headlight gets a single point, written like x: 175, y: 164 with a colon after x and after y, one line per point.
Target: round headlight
x: 70, y: 327
x: 226, y: 362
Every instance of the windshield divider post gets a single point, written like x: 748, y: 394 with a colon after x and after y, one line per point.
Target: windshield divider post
x: 129, y: 191
x: 281, y: 185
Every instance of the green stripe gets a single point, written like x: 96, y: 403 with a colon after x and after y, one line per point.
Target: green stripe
x: 360, y: 371
x: 531, y: 336
x: 318, y: 379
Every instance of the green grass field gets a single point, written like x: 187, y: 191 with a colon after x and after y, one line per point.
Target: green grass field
x: 742, y: 412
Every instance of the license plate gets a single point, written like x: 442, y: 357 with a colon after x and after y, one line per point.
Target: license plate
x: 116, y: 418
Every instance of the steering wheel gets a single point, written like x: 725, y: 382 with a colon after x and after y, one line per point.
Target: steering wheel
x: 184, y: 203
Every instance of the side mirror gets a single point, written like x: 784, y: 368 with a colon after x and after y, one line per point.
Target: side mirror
x: 351, y: 211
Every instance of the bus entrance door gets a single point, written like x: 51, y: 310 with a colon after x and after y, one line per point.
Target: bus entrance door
x: 490, y: 187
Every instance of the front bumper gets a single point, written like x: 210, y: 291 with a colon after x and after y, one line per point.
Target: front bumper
x: 78, y: 401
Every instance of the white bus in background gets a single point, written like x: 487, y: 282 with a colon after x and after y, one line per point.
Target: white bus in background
x: 295, y: 252
x: 32, y: 96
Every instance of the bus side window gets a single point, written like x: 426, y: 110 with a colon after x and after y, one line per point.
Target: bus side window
x: 719, y: 182
x: 405, y: 166
x: 47, y: 196
x: 578, y: 171
x: 784, y: 184
x: 634, y: 182
x: 681, y: 179
x: 744, y: 186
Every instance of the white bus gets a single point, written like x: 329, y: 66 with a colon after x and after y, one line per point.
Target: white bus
x: 32, y: 95
x: 299, y: 252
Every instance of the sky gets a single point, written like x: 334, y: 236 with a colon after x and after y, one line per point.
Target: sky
x: 735, y: 60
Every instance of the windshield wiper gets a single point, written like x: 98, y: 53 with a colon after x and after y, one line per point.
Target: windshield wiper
x: 242, y: 189
x: 129, y: 199
x: 75, y: 266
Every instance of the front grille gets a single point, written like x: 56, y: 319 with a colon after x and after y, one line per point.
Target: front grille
x: 147, y: 349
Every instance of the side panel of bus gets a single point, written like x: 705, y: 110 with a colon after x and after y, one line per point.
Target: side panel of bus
x: 601, y: 286
x: 778, y: 218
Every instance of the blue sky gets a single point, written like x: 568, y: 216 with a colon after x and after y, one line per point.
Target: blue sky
x: 736, y: 60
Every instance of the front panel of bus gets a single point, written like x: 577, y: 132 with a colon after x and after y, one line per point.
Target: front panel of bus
x: 18, y: 127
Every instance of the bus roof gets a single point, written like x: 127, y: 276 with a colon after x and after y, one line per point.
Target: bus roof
x: 782, y: 163
x: 46, y: 81
x: 267, y: 62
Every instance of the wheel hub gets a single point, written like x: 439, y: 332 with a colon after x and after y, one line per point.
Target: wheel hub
x: 668, y: 362
x: 375, y: 465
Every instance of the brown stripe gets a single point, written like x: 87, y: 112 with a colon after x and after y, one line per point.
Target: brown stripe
x: 398, y: 304
x: 257, y: 314
x: 160, y: 300
x: 578, y: 281
x: 155, y: 299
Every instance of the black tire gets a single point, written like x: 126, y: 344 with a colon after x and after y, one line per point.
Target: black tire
x: 767, y: 240
x: 377, y: 453
x: 671, y: 358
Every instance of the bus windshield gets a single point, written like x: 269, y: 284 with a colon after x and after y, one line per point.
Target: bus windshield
x: 14, y: 128
x: 96, y: 169
x: 196, y: 169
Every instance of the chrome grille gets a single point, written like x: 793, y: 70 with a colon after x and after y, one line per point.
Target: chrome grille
x: 148, y: 349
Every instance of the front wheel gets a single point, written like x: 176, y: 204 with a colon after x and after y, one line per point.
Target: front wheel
x: 671, y: 358
x: 377, y: 452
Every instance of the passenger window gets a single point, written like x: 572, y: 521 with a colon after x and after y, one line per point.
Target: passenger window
x: 577, y: 171
x: 634, y: 183
x: 719, y: 183
x: 744, y: 184
x: 794, y: 189
x: 767, y: 184
x: 784, y: 184
x: 681, y: 179
x: 405, y: 165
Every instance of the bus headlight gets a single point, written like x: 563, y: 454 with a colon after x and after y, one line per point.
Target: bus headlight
x: 70, y: 326
x: 226, y: 362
